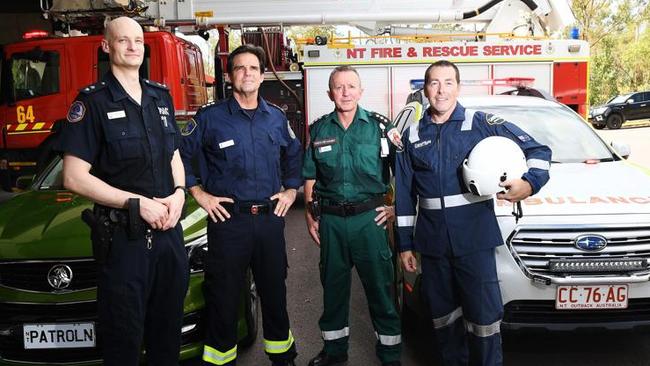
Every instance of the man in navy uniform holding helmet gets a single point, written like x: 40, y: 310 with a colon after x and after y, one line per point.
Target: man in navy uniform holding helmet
x: 456, y: 231
x: 246, y: 154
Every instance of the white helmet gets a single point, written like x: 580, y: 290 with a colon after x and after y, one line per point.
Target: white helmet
x: 492, y: 161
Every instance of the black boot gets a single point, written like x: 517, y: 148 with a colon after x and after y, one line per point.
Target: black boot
x: 284, y: 363
x: 392, y: 363
x: 323, y: 359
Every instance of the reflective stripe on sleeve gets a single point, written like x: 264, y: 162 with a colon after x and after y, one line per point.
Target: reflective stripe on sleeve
x: 331, y: 335
x: 467, y: 123
x: 448, y: 319
x: 405, y: 221
x: 215, y: 357
x: 389, y: 340
x: 276, y: 347
x: 538, y: 163
x: 484, y: 330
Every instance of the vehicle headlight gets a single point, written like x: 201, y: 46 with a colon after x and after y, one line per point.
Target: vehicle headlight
x: 196, y: 253
x: 597, y: 111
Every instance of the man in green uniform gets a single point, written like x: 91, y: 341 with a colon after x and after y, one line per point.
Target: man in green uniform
x: 346, y: 171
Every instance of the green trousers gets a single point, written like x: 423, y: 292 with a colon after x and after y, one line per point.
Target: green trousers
x: 357, y: 241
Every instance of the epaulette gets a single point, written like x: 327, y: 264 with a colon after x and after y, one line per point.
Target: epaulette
x: 319, y: 119
x: 383, y: 120
x: 276, y: 106
x: 156, y: 84
x: 93, y: 87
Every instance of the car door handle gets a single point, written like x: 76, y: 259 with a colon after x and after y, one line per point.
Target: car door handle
x: 643, y: 105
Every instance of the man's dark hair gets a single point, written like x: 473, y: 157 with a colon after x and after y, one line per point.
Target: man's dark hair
x: 441, y: 63
x: 248, y: 48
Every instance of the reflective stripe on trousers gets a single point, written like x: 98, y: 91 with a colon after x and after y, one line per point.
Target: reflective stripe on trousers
x: 448, y: 319
x: 331, y: 335
x: 278, y: 346
x: 213, y: 356
x: 484, y: 330
x: 389, y: 340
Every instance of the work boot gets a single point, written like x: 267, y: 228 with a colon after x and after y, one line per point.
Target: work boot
x: 323, y: 359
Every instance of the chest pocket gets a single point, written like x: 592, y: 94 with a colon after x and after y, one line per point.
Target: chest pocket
x: 327, y: 159
x: 169, y: 130
x: 366, y: 159
x: 423, y: 158
x: 277, y: 143
x: 123, y: 139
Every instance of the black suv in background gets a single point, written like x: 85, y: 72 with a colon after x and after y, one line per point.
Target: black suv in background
x: 619, y: 109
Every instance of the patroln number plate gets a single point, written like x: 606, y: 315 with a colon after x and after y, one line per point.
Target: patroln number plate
x: 591, y: 297
x: 61, y: 335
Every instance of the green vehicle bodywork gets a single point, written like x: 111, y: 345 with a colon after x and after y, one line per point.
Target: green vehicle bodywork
x: 42, y: 227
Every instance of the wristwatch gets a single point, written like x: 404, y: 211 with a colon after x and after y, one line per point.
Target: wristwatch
x: 182, y: 188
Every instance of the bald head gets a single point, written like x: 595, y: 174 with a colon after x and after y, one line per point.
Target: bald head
x: 124, y: 43
x: 120, y: 27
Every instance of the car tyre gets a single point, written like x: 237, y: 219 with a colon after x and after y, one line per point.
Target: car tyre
x: 598, y: 127
x: 251, y: 312
x: 614, y: 121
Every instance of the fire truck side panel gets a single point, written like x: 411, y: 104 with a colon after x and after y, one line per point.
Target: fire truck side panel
x: 570, y: 85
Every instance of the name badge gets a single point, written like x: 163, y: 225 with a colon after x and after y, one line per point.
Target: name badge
x: 116, y: 114
x: 384, y: 147
x: 323, y: 149
x: 225, y: 144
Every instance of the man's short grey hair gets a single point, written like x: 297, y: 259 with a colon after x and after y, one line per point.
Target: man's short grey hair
x: 342, y: 68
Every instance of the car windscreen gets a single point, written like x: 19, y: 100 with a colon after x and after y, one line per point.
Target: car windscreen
x: 52, y: 177
x: 570, y: 139
x: 620, y: 99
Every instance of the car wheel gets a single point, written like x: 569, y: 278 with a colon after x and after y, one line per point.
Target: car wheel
x: 251, y: 312
x: 598, y: 127
x: 614, y: 121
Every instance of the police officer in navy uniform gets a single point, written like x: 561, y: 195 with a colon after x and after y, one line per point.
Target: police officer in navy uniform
x: 456, y: 232
x: 121, y: 145
x: 246, y: 154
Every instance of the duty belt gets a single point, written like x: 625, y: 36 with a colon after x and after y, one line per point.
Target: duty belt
x: 250, y: 208
x: 345, y: 209
x: 119, y: 217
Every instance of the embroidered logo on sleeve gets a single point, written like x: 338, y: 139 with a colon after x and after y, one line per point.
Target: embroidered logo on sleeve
x: 76, y: 112
x: 189, y: 127
x: 494, y: 120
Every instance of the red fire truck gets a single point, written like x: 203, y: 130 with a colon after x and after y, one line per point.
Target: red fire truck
x: 43, y: 74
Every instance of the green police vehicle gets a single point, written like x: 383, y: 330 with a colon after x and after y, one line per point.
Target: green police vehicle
x: 48, y: 279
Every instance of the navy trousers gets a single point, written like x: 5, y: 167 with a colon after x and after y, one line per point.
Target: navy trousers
x: 140, y: 295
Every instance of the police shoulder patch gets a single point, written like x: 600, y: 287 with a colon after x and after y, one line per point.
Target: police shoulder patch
x: 492, y: 119
x: 189, y: 127
x: 76, y: 112
x: 276, y: 106
x: 156, y: 84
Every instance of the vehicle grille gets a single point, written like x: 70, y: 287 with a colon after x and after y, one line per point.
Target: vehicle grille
x: 32, y: 275
x: 15, y: 315
x: 543, y: 312
x: 535, y: 247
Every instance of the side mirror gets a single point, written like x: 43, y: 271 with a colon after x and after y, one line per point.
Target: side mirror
x: 24, y: 182
x: 629, y: 101
x: 623, y: 150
